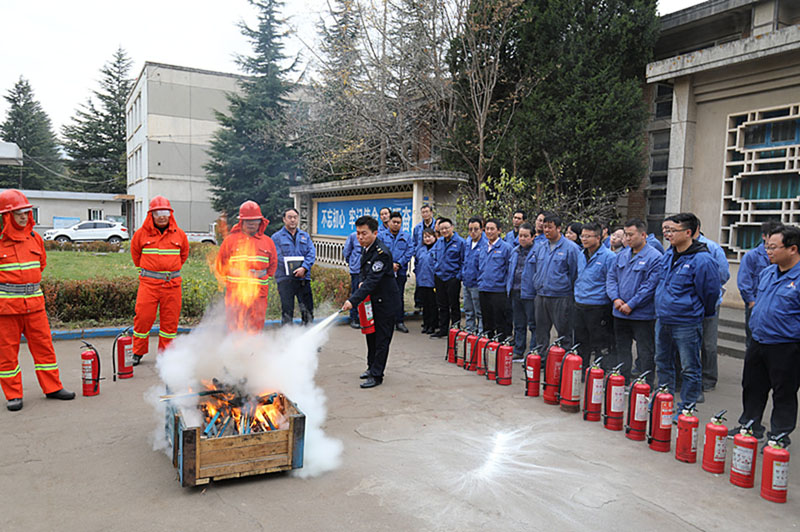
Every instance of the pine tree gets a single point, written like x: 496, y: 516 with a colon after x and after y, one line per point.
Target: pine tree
x: 250, y: 158
x: 28, y: 126
x: 95, y: 140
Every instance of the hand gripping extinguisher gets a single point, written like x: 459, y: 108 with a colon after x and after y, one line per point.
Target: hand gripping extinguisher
x: 533, y: 371
x: 775, y: 470
x: 714, y: 444
x: 552, y: 373
x: 504, y: 360
x: 451, y: 342
x: 615, y: 399
x: 122, y: 355
x: 90, y: 370
x: 490, y: 355
x: 638, y: 403
x: 461, y: 347
x: 570, y: 392
x: 481, y: 347
x: 365, y: 317
x: 745, y: 455
x: 593, y: 392
x: 686, y: 441
x: 660, y: 435
x: 471, y: 356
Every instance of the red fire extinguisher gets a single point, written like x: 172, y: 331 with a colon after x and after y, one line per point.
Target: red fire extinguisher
x: 505, y: 355
x: 451, y: 342
x: 533, y: 371
x: 660, y: 435
x: 481, y: 347
x: 365, y: 316
x: 638, y: 403
x: 593, y: 392
x: 471, y: 356
x: 570, y: 392
x: 490, y: 355
x: 715, y: 448
x: 90, y: 370
x: 615, y: 399
x: 775, y: 470
x: 122, y: 355
x: 686, y: 441
x: 745, y: 455
x: 461, y: 347
x: 552, y: 373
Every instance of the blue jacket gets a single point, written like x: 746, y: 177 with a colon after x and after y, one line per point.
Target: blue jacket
x: 590, y: 286
x: 512, y: 238
x: 556, y: 270
x: 722, y: 263
x: 423, y: 266
x: 528, y: 290
x: 448, y: 257
x: 400, y: 247
x: 470, y: 268
x: 653, y: 241
x: 352, y: 253
x: 512, y: 270
x: 776, y: 314
x: 633, y: 279
x: 753, y: 263
x: 493, y: 266
x: 299, y: 245
x: 416, y: 233
x: 688, y: 291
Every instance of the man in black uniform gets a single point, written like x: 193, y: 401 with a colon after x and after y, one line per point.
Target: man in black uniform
x: 377, y: 281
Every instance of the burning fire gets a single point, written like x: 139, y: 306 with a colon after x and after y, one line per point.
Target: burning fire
x: 228, y: 410
x: 239, y: 270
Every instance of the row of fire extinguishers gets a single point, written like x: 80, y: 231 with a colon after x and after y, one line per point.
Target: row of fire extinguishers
x: 121, y: 361
x: 648, y: 417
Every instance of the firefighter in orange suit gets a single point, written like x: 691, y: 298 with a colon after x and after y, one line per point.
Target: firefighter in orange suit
x: 246, y: 259
x: 22, y: 259
x: 159, y: 249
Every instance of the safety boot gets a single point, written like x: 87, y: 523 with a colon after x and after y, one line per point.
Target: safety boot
x: 14, y: 404
x: 62, y: 394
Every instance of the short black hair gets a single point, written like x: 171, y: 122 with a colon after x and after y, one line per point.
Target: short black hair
x: 687, y: 220
x: 426, y: 206
x: 577, y: 227
x: 429, y: 231
x: 369, y: 221
x: 395, y: 214
x: 475, y: 220
x: 448, y: 220
x: 526, y: 225
x: 290, y: 209
x: 789, y: 234
x: 524, y: 215
x: 496, y: 223
x: 385, y: 208
x: 637, y: 223
x: 594, y: 227
x: 769, y: 226
x: 552, y: 217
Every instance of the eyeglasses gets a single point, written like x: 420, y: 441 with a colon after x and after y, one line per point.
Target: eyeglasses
x: 673, y: 231
x: 773, y: 248
x: 160, y: 212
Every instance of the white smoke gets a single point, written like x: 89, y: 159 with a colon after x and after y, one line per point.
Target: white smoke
x: 283, y: 360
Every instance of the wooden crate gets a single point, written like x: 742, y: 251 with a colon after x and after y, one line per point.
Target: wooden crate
x: 199, y: 459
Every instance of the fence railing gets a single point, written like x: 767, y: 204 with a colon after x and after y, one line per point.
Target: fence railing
x: 330, y: 251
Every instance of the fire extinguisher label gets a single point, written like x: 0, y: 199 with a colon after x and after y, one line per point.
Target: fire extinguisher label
x: 666, y: 414
x: 597, y: 391
x: 742, y: 461
x: 640, y: 414
x: 368, y: 309
x: 617, y: 398
x: 129, y: 355
x: 492, y: 356
x: 576, y: 385
x: 780, y: 475
x: 86, y: 368
x: 694, y: 439
x: 529, y: 371
x: 720, y: 449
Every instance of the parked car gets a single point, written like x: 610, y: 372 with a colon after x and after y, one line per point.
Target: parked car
x: 113, y: 232
x: 209, y: 238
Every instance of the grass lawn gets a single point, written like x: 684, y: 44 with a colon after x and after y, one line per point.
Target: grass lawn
x: 65, y: 265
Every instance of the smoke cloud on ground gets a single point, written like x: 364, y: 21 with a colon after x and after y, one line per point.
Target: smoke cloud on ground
x: 283, y: 360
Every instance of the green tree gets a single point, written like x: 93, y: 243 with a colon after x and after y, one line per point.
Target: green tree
x: 95, y: 140
x: 250, y: 157
x: 29, y: 127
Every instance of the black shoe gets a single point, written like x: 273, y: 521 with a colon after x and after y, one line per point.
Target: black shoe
x: 365, y: 375
x: 62, y: 394
x: 517, y: 358
x: 401, y: 327
x: 354, y: 325
x: 709, y: 387
x: 735, y: 430
x: 428, y: 330
x: 371, y: 382
x: 14, y: 404
x: 137, y: 359
x: 439, y: 334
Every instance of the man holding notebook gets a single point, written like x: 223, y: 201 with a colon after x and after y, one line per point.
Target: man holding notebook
x: 296, y: 255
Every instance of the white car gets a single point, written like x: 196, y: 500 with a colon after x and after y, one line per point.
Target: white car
x: 113, y: 232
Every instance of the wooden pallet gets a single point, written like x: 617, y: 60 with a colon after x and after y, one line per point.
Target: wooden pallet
x: 199, y: 459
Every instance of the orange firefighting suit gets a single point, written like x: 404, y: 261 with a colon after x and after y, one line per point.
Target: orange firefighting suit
x: 22, y: 259
x: 245, y: 262
x: 162, y: 253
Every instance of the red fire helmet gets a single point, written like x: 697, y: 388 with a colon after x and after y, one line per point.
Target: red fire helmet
x: 159, y: 203
x: 13, y: 200
x: 250, y: 210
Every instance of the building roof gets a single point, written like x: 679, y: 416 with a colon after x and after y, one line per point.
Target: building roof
x: 403, y: 178
x: 10, y: 154
x: 57, y: 194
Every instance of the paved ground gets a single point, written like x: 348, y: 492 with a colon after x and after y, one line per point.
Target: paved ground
x: 434, y: 448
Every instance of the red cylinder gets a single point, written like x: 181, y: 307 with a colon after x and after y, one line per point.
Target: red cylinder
x: 593, y: 393
x: 660, y: 436
x: 533, y: 370
x: 745, y: 456
x: 481, y: 346
x: 686, y: 441
x: 505, y: 355
x: 451, y: 343
x: 365, y: 316
x: 638, y: 403
x: 614, y: 400
x: 775, y: 472
x: 461, y: 348
x: 90, y: 371
x: 570, y: 390
x: 124, y: 357
x: 471, y: 358
x: 552, y: 373
x: 491, y: 359
x: 715, y: 448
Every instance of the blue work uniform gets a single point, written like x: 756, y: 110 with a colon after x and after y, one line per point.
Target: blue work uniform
x: 556, y: 269
x: 653, y: 241
x: 352, y: 254
x: 289, y: 286
x: 590, y: 285
x: 633, y: 279
x: 753, y: 263
x: 493, y: 266
x: 416, y: 233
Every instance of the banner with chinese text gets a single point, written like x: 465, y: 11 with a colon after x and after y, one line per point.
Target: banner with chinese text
x: 338, y: 218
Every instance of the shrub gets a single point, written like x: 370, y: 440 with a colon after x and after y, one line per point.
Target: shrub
x: 99, y: 246
x: 200, y: 250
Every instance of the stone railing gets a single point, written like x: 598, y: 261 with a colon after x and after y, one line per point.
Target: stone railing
x: 330, y: 251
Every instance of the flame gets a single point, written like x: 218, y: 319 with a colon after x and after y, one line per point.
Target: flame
x: 236, y: 274
x: 226, y: 412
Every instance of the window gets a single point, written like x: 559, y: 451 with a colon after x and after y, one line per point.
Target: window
x: 85, y: 225
x: 660, y: 140
x: 95, y: 214
x: 35, y: 214
x: 755, y: 135
x: 784, y: 131
x: 663, y: 101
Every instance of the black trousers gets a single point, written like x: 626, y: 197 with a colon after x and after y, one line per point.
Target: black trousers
x: 644, y: 332
x: 379, y: 341
x: 401, y: 288
x: 496, y: 311
x: 353, y: 287
x: 288, y: 290
x: 430, y: 316
x: 448, y: 294
x: 594, y: 331
x: 773, y: 367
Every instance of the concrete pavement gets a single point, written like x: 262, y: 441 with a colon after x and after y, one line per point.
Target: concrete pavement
x: 433, y: 448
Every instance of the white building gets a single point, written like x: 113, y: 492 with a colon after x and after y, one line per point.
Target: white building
x: 64, y: 209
